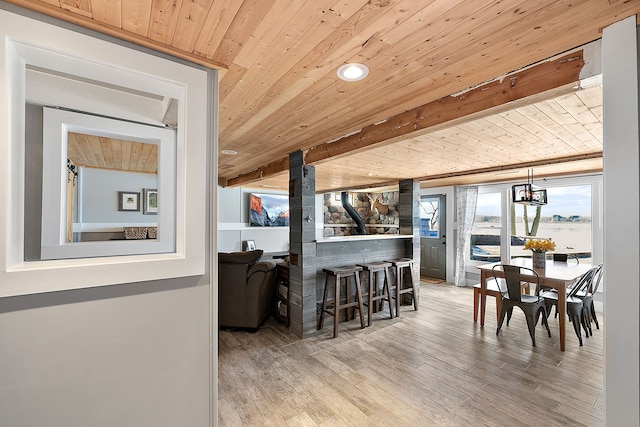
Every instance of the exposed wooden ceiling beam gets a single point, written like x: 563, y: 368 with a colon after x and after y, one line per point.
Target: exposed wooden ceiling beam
x: 503, y: 168
x: 546, y: 76
x: 274, y: 168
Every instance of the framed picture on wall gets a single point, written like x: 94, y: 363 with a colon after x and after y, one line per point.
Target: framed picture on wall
x: 249, y: 245
x: 128, y: 201
x: 150, y: 201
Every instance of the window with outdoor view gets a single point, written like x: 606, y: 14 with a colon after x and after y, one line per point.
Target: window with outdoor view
x: 566, y: 220
x: 485, y: 235
x: 429, y: 217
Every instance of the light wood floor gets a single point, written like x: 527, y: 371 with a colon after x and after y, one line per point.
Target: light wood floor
x: 430, y: 367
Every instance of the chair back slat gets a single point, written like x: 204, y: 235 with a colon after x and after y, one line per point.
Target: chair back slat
x: 597, y: 277
x: 512, y: 276
x: 583, y: 284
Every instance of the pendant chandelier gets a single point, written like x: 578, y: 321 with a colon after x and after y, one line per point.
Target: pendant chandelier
x: 529, y: 194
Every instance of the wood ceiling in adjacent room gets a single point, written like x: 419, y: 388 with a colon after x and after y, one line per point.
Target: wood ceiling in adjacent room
x: 110, y: 153
x: 279, y: 91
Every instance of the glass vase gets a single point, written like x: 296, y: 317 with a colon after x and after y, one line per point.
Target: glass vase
x: 539, y: 259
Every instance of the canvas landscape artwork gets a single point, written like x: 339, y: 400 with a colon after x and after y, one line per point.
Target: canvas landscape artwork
x: 268, y: 210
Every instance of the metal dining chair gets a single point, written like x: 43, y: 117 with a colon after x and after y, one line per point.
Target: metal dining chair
x: 533, y: 306
x: 587, y: 298
x: 578, y: 308
x: 560, y: 257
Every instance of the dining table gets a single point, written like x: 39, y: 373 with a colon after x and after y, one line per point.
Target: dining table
x: 555, y: 274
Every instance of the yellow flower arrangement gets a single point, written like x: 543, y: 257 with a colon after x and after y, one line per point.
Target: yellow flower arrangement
x: 540, y: 245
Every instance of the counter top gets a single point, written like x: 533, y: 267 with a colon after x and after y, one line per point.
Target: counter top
x: 337, y: 239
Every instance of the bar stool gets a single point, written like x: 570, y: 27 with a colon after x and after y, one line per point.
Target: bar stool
x: 400, y: 266
x: 374, y: 269
x: 338, y: 274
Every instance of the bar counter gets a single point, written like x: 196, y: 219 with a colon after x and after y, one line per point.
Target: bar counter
x: 343, y: 251
x: 361, y: 237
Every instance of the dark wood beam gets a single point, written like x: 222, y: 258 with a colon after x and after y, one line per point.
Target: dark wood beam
x: 531, y: 81
x: 268, y: 170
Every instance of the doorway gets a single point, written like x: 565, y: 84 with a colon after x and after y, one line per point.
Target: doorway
x: 433, y: 241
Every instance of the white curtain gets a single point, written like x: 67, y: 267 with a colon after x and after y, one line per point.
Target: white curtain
x: 466, y: 200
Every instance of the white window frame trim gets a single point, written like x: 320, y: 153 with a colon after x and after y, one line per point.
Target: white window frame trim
x: 187, y: 84
x: 595, y: 180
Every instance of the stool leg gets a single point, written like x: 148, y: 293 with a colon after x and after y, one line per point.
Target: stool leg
x: 324, y: 303
x: 379, y: 293
x: 398, y: 286
x: 386, y: 291
x: 351, y: 311
x: 414, y: 293
x: 379, y: 301
x: 359, y: 297
x: 370, y: 298
x: 336, y: 313
x: 373, y: 278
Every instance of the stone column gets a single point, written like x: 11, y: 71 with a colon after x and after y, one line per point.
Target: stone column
x: 302, y: 246
x: 409, y: 211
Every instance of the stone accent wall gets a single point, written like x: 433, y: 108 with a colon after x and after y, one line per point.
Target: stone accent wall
x: 381, y: 218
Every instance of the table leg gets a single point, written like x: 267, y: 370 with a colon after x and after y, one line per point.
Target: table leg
x: 562, y: 312
x: 483, y: 295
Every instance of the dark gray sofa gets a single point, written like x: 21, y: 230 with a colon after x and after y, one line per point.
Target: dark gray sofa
x: 246, y: 289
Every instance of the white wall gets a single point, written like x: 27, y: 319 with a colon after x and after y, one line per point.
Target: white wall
x: 621, y: 222
x: 135, y: 354
x: 99, y: 195
x: 233, y: 223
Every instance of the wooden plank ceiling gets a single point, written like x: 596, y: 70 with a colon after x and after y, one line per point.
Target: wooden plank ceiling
x: 110, y: 153
x: 279, y: 91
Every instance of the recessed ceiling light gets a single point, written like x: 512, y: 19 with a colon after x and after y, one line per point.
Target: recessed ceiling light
x: 353, y: 72
x: 229, y: 152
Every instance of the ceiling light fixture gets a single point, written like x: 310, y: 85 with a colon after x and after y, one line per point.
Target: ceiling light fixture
x: 353, y: 72
x: 529, y: 194
x: 230, y: 152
